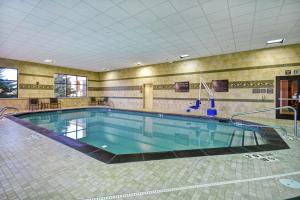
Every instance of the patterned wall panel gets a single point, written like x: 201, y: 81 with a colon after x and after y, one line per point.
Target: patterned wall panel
x: 232, y: 85
x: 35, y: 87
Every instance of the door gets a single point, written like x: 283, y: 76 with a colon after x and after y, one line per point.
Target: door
x: 287, y: 94
x: 148, y: 96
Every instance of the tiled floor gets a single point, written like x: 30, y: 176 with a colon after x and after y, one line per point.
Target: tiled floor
x: 35, y: 167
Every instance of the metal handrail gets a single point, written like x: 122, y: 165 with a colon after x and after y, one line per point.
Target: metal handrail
x: 4, y: 109
x: 270, y: 109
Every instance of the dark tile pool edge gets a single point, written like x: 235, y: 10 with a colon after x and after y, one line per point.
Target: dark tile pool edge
x: 87, y: 149
x: 275, y: 142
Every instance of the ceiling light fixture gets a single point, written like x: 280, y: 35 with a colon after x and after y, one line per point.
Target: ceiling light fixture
x: 105, y: 69
x: 138, y: 63
x: 48, y: 61
x: 281, y: 40
x: 184, y: 56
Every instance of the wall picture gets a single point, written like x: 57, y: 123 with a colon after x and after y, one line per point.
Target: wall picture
x: 182, y: 86
x: 220, y: 85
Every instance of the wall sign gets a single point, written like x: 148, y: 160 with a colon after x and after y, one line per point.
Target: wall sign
x: 220, y: 85
x: 182, y: 86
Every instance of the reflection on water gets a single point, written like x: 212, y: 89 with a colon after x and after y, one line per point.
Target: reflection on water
x: 76, y: 128
x: 128, y: 132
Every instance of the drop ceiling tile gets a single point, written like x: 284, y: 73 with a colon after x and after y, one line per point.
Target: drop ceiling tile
x: 43, y: 14
x: 180, y: 28
x: 52, y: 6
x: 182, y: 5
x: 242, y: 9
x: 18, y: 5
x: 132, y: 7
x: 65, y: 22
x: 163, y: 10
x: 233, y: 3
x: 142, y: 30
x: 36, y: 20
x: 267, y: 13
x: 219, y: 16
x: 172, y: 20
x: 244, y: 19
x: 294, y: 6
x: 266, y: 4
x: 214, y: 6
x: 117, y: 13
x: 53, y: 28
x: 102, y: 5
x: 68, y: 3
x: 150, y: 4
x: 103, y: 20
x: 118, y: 27
x: 12, y: 13
x: 146, y: 17
x: 192, y: 13
x: 131, y: 22
x: 85, y: 10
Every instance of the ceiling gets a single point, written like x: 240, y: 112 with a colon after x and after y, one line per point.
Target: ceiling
x: 98, y: 34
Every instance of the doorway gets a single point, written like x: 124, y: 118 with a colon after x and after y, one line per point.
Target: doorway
x: 148, y: 96
x: 287, y: 94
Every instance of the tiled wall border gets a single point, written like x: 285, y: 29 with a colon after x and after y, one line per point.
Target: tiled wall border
x: 35, y: 87
x: 232, y: 85
x: 192, y: 99
x: 207, y: 71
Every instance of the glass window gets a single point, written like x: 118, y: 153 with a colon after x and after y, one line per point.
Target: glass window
x: 8, y: 83
x: 69, y: 86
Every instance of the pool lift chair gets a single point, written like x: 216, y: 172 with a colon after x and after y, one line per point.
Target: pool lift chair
x: 211, y: 111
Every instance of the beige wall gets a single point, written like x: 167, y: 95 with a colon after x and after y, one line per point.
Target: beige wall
x: 244, y: 70
x: 31, y: 73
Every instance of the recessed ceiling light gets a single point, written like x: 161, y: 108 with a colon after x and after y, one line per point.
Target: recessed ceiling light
x: 276, y: 41
x: 184, y: 56
x: 138, y: 63
x: 48, y: 61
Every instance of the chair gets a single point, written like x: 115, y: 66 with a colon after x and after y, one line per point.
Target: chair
x: 54, y: 103
x: 93, y: 101
x: 34, y: 104
x: 103, y: 101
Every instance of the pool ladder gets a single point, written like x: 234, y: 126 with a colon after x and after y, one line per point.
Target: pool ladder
x: 4, y: 109
x: 267, y: 110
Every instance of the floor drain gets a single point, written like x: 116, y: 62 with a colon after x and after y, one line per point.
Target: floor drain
x: 290, y: 183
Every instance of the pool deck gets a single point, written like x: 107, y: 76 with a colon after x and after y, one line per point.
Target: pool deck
x: 33, y: 166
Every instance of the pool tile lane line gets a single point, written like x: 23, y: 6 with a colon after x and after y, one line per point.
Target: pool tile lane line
x: 191, y: 187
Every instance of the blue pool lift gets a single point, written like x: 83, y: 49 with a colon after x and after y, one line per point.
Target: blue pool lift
x: 211, y: 111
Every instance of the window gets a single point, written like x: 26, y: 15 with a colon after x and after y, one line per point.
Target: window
x: 69, y: 86
x: 8, y: 83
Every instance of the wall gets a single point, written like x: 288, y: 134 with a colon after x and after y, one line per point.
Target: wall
x: 244, y: 70
x: 31, y: 73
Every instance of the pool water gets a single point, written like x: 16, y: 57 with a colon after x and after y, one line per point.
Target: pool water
x: 127, y: 132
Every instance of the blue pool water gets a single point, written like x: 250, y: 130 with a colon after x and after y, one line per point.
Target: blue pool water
x: 124, y: 132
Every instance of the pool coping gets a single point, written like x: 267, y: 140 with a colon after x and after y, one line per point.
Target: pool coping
x: 275, y: 142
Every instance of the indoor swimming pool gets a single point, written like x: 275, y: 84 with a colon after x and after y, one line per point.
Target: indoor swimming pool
x: 132, y: 135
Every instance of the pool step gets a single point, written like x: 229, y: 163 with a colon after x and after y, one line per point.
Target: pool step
x: 244, y: 138
x: 250, y: 138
